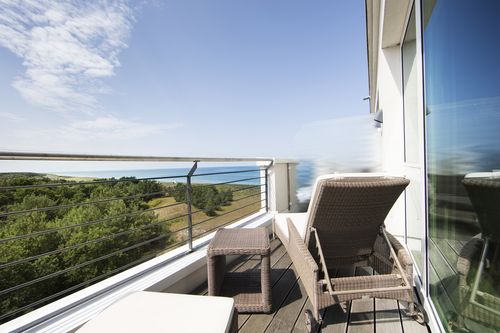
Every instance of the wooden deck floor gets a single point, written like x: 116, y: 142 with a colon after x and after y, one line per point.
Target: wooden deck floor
x: 290, y: 301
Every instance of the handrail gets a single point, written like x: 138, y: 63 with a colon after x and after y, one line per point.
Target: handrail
x: 122, y: 158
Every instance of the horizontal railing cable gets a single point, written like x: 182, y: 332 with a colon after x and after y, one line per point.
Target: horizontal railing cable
x: 225, y: 172
x: 92, y: 241
x: 75, y: 287
x: 48, y: 231
x: 122, y: 233
x: 171, y: 228
x: 69, y: 269
x: 205, y: 210
x: 90, y: 203
x: 221, y: 225
x: 245, y: 197
x: 226, y: 213
x: 93, y: 182
x: 80, y: 204
x: 85, y: 224
x: 228, y: 182
x: 248, y: 188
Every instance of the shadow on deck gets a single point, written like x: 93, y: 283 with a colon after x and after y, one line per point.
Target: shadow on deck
x: 290, y: 301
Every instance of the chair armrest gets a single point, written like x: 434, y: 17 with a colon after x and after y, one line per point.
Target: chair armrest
x: 403, y: 256
x: 469, y: 253
x: 304, y: 263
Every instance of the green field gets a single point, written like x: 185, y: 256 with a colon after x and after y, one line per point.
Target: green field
x: 246, y: 201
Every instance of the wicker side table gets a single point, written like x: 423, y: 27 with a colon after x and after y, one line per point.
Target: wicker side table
x: 250, y: 294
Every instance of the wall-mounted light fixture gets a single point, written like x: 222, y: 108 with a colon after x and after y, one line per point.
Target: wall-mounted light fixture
x: 378, y: 117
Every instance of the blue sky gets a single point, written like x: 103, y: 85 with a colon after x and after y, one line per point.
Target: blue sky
x: 177, y: 78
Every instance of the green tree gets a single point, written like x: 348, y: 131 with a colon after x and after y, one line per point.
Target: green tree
x: 100, y: 237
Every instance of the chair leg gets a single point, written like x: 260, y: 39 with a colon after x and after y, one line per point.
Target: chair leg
x: 311, y: 322
x: 272, y: 228
x: 411, y: 308
x: 313, y: 319
x: 317, y: 315
x: 417, y: 312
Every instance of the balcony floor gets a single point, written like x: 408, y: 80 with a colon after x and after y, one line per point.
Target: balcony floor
x: 290, y: 301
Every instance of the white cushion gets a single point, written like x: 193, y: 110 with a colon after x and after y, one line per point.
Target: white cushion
x: 162, y: 312
x: 493, y: 174
x: 298, y: 219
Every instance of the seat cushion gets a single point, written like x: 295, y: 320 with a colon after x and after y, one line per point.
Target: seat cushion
x: 298, y: 219
x: 163, y: 312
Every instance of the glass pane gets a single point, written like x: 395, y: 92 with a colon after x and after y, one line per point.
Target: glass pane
x: 414, y: 222
x: 461, y: 53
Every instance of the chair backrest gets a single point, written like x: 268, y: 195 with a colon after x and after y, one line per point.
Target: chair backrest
x: 347, y: 211
x: 483, y: 189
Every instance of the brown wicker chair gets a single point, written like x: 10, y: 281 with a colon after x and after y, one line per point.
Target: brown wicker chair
x: 344, y: 225
x: 476, y: 304
x: 480, y: 306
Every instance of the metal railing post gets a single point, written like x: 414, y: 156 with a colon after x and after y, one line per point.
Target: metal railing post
x: 289, y: 202
x: 267, y: 190
x: 189, y: 200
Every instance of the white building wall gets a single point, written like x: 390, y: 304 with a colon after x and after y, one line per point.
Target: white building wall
x: 392, y: 140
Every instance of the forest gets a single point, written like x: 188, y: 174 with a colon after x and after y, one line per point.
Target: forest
x: 57, y: 237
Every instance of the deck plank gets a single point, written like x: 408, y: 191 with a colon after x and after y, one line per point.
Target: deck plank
x: 300, y: 326
x: 335, y: 317
x: 409, y: 324
x: 300, y: 323
x: 276, y: 271
x: 443, y: 279
x: 290, y: 301
x: 455, y: 245
x: 361, y: 318
x: 447, y: 252
x: 283, y: 280
x: 287, y: 315
x: 387, y: 316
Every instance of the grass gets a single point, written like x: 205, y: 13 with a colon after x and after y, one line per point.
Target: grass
x: 49, y: 176
x: 246, y: 201
x: 70, y: 178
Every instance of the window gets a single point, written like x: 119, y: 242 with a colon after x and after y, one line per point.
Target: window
x: 462, y: 96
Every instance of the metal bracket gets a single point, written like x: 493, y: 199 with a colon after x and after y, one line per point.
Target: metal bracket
x: 189, y: 200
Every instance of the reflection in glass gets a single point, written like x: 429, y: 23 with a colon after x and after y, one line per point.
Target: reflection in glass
x: 479, y: 280
x: 462, y: 97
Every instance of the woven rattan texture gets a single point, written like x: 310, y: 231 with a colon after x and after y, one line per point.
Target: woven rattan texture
x: 251, y: 290
x: 349, y: 212
x: 240, y: 242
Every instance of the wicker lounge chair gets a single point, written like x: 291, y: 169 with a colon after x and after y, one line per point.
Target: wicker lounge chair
x: 478, y: 263
x: 344, y: 226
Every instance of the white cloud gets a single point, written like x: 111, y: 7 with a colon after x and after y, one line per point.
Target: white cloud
x: 67, y: 47
x: 11, y: 116
x: 102, y: 135
x: 112, y: 128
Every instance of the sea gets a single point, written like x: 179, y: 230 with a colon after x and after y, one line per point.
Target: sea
x: 247, y: 175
